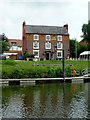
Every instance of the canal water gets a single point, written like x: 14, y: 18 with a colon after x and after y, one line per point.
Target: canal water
x: 63, y: 100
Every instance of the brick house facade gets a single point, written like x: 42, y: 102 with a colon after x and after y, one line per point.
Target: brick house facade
x: 83, y: 42
x: 46, y: 42
x: 15, y: 48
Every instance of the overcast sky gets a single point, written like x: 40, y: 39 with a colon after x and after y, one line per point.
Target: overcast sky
x: 42, y: 12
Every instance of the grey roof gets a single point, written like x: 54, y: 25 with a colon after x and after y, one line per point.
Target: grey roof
x: 39, y: 29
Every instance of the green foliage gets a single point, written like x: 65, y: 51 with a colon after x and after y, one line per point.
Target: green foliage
x: 51, y: 72
x: 59, y: 72
x: 5, y: 46
x: 25, y: 55
x: 72, y: 48
x: 80, y: 48
x: 28, y: 55
x: 5, y: 75
x: 24, y: 69
x: 35, y: 74
x: 68, y: 71
x: 86, y: 33
x: 9, y: 62
x: 31, y: 55
x: 16, y: 73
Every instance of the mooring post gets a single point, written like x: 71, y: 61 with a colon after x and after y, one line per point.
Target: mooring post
x: 63, y: 66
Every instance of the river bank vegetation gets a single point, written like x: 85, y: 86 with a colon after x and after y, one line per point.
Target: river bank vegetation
x: 41, y: 69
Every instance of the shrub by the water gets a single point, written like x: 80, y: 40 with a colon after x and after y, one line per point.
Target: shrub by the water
x: 24, y: 69
x: 51, y: 72
x: 68, y: 72
x: 17, y: 73
x: 59, y: 72
x: 5, y: 75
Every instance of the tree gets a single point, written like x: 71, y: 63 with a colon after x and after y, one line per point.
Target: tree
x: 80, y: 48
x: 72, y: 48
x: 86, y: 33
x: 4, y: 43
x: 5, y: 46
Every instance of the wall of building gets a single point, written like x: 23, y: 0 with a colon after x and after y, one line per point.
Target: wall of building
x: 42, y: 40
x: 83, y: 42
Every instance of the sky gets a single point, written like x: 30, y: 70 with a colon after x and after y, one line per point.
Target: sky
x: 42, y: 12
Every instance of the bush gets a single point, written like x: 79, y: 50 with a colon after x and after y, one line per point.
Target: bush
x: 51, y: 72
x: 9, y: 62
x: 35, y: 74
x: 5, y: 75
x: 68, y: 72
x: 59, y: 72
x: 17, y: 73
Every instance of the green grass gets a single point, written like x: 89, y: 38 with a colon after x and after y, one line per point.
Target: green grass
x: 27, y: 69
x: 29, y: 64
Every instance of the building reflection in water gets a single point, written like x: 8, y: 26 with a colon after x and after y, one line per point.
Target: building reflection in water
x: 45, y: 101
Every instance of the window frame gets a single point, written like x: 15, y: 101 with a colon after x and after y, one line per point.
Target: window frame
x: 36, y: 51
x: 58, y: 37
x: 37, y: 36
x: 14, y: 42
x: 46, y: 45
x: 35, y: 47
x: 47, y: 36
x: 59, y: 52
x: 61, y: 45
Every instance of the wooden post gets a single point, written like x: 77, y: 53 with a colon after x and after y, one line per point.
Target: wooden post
x: 63, y: 66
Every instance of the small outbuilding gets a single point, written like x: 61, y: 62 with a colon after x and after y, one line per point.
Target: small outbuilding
x: 85, y: 55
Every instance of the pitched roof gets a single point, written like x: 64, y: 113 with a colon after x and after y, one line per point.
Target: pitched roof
x: 39, y: 29
x: 19, y: 42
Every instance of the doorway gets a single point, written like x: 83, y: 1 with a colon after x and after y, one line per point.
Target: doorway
x: 47, y: 55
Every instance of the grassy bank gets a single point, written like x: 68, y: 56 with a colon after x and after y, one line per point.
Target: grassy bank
x: 26, y: 69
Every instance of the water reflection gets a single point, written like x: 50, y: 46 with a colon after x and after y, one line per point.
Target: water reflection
x: 46, y: 101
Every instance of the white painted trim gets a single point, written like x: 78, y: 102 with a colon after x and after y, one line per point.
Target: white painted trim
x: 46, y: 45
x: 37, y: 36
x: 58, y: 37
x: 47, y: 39
x: 36, y: 51
x: 61, y: 45
x: 35, y: 47
x: 58, y: 52
x: 10, y: 53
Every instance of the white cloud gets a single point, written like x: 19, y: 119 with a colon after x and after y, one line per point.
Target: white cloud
x: 47, y: 12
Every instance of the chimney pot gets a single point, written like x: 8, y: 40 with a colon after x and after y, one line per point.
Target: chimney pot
x: 24, y: 23
x: 66, y: 26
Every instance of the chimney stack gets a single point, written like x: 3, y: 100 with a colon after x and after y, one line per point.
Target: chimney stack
x: 66, y: 26
x: 24, y: 23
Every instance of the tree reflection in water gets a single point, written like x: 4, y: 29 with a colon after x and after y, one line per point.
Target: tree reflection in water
x: 45, y: 101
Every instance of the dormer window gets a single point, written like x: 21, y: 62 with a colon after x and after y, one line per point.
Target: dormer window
x: 59, y: 38
x: 48, y: 37
x: 36, y: 37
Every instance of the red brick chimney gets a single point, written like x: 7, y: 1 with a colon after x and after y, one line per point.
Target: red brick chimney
x: 66, y: 26
x: 23, y: 38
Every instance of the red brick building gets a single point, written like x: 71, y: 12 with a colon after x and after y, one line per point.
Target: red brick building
x: 15, y: 48
x: 83, y: 42
x: 46, y: 42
